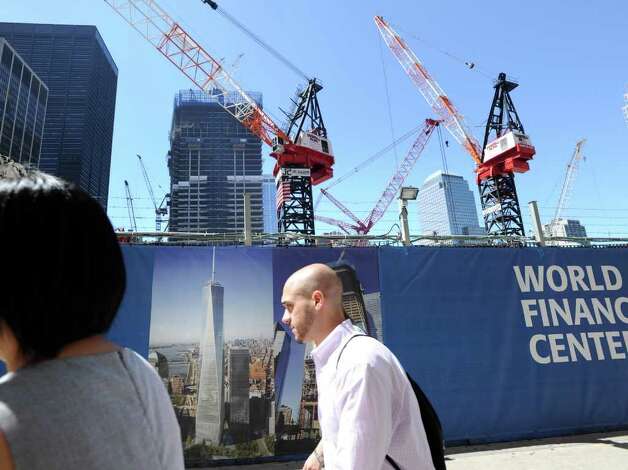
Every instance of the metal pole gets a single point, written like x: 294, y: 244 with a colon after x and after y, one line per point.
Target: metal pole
x: 247, y: 220
x: 403, y: 217
x: 536, y: 221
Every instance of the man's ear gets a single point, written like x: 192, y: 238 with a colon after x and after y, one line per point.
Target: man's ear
x: 319, y: 298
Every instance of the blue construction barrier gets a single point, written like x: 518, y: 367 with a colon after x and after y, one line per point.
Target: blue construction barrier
x: 512, y: 343
x: 509, y: 344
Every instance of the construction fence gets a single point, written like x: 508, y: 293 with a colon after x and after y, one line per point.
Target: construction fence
x: 508, y: 343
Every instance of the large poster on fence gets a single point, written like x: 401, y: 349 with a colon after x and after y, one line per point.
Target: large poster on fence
x: 241, y: 387
x: 211, y: 337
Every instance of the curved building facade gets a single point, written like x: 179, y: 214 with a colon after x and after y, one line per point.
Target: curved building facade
x: 210, y: 408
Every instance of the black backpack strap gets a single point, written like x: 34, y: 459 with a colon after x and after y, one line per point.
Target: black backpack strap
x: 344, y: 346
x: 392, y: 462
x: 388, y: 457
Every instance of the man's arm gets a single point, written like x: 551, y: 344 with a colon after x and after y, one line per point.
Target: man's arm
x: 364, y: 402
x: 315, y: 461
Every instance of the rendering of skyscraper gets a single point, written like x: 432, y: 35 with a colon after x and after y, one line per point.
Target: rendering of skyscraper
x: 447, y: 206
x: 269, y: 193
x: 281, y: 355
x: 210, y: 409
x: 213, y: 161
x: 239, y: 359
x: 23, y: 98
x: 352, y: 300
x: 82, y: 79
x: 374, y: 314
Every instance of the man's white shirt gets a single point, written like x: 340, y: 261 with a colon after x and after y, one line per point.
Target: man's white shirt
x: 366, y: 408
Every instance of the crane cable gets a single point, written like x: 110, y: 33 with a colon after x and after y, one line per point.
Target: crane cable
x: 258, y: 40
x: 470, y: 65
x: 390, y: 117
x: 447, y: 186
x: 369, y: 160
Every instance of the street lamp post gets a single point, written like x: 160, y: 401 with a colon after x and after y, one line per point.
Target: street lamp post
x: 407, y: 193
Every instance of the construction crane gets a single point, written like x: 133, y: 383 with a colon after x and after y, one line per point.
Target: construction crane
x: 305, y: 126
x: 303, y: 156
x: 508, y: 153
x: 160, y: 210
x: 570, y: 176
x: 363, y: 227
x: 129, y: 206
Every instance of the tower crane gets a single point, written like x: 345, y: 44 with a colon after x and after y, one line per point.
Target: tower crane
x: 129, y: 206
x: 362, y: 227
x: 160, y: 210
x: 303, y: 155
x: 570, y: 176
x: 496, y: 160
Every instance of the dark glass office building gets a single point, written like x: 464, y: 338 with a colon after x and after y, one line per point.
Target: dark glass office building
x: 23, y: 98
x: 213, y: 161
x: 82, y: 79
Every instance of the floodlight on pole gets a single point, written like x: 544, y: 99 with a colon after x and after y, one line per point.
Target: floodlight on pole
x: 407, y: 193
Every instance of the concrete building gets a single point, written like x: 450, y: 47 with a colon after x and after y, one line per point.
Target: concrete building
x: 269, y: 192
x: 564, y: 228
x: 446, y: 206
x: 213, y: 161
x: 82, y: 78
x: 239, y: 359
x: 23, y: 99
x: 210, y: 408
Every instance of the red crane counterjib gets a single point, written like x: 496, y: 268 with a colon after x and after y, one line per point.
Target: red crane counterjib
x: 319, y: 163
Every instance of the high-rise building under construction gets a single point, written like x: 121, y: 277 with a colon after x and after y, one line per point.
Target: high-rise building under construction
x: 213, y: 161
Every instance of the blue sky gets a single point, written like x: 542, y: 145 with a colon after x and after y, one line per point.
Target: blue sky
x: 178, y: 280
x: 569, y: 59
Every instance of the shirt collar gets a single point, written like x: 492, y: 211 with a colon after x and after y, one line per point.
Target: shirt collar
x: 330, y: 344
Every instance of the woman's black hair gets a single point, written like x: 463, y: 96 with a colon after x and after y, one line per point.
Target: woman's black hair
x: 62, y: 275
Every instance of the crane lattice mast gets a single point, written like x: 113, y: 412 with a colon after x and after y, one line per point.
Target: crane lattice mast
x: 570, y: 176
x: 129, y: 206
x: 160, y: 210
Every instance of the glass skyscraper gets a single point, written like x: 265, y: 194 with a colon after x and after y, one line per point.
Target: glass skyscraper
x: 270, y: 210
x: 210, y: 408
x: 23, y: 98
x: 447, y: 207
x: 213, y: 161
x: 82, y: 79
x: 239, y: 359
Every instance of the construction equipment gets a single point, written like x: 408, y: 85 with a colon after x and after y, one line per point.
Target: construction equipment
x: 508, y: 153
x: 570, y: 176
x: 303, y: 159
x: 306, y: 128
x: 129, y: 206
x: 363, y: 227
x: 160, y: 210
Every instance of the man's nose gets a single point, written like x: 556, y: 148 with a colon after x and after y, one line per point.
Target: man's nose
x: 286, y: 318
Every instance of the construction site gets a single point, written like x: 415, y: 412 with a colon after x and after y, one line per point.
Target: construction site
x: 483, y: 251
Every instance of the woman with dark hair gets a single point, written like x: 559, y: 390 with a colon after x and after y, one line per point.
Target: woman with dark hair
x: 71, y: 399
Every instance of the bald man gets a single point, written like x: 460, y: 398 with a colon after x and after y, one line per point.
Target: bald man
x: 367, y: 411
